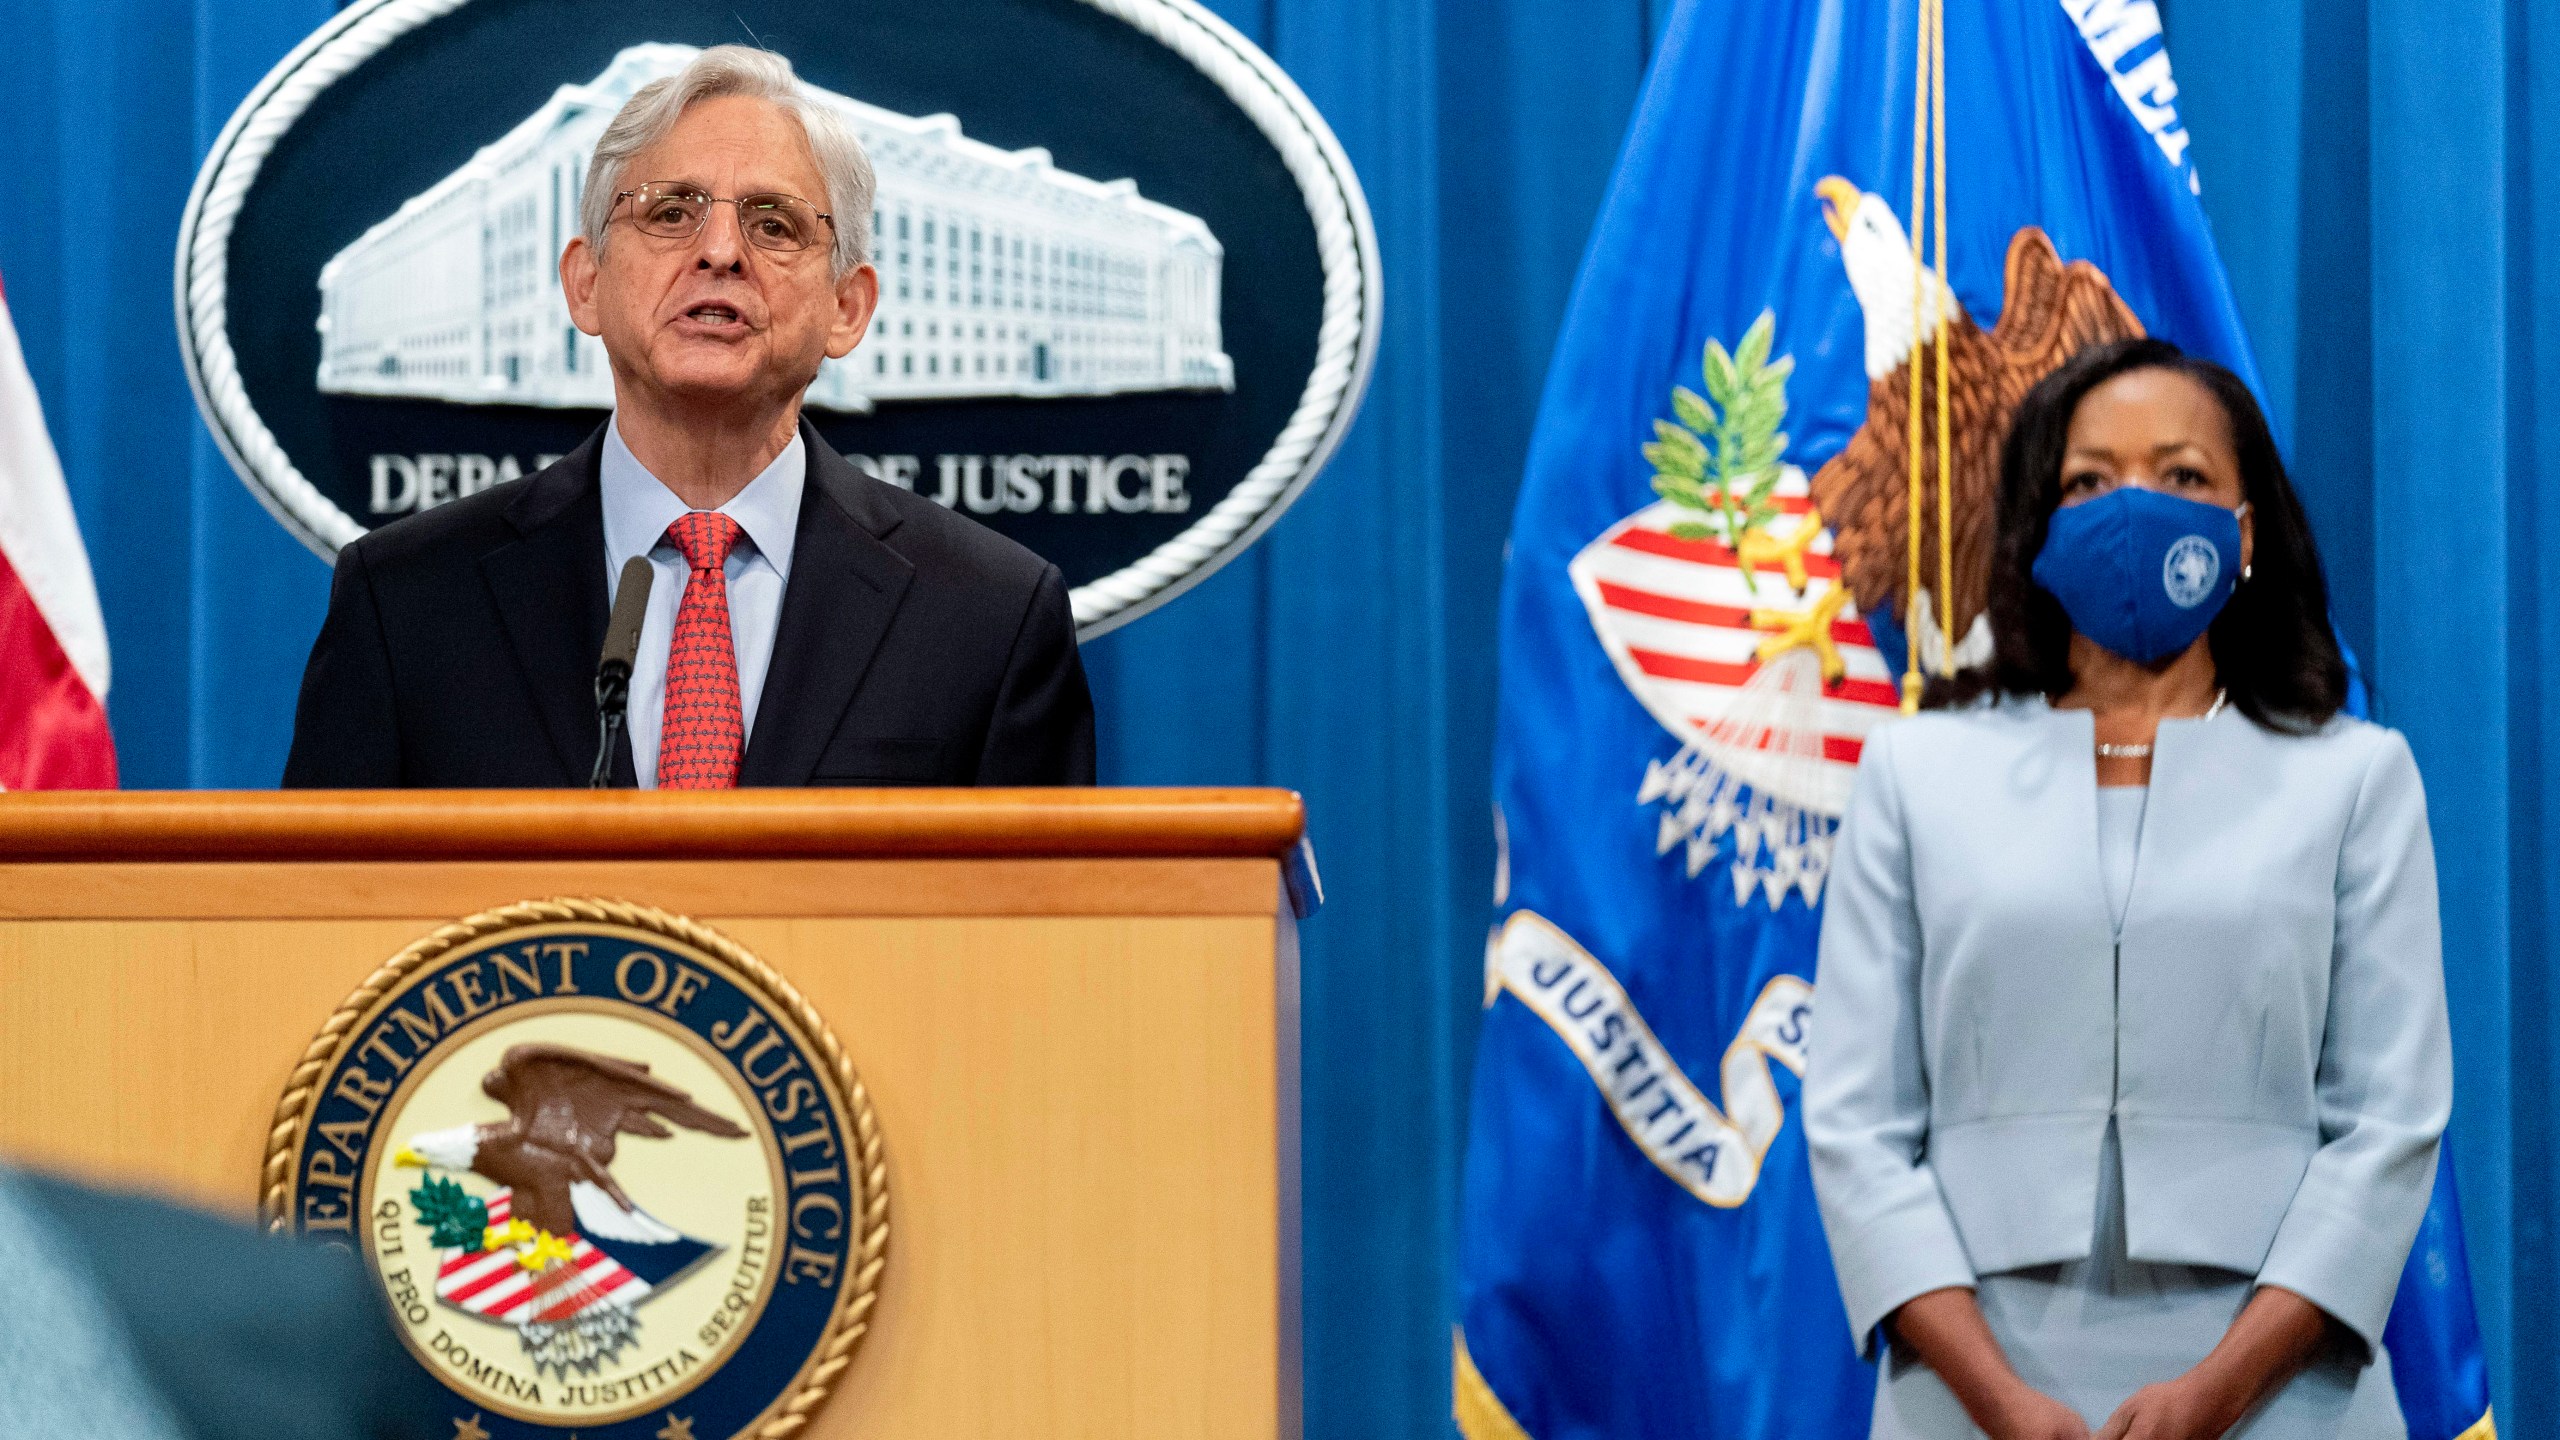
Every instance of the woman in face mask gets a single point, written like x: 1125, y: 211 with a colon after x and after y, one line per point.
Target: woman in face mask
x: 2131, y: 1058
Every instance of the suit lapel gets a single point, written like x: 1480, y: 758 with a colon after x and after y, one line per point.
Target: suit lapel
x: 2067, y: 742
x: 549, y: 585
x: 845, y: 586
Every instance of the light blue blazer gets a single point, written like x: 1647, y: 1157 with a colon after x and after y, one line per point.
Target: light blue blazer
x: 2269, y: 1036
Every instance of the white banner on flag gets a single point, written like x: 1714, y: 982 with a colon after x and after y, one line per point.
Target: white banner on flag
x: 1713, y: 1153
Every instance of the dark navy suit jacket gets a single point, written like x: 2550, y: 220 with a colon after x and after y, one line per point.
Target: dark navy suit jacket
x: 915, y: 647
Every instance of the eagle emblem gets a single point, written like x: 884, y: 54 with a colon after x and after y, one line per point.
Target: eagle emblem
x: 559, y: 1251
x: 614, y: 1176
x: 1735, y: 607
x: 2049, y: 312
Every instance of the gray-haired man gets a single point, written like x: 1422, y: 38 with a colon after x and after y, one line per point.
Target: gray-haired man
x: 808, y: 625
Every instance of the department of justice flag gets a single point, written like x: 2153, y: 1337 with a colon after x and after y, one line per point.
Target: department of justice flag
x: 1705, y: 616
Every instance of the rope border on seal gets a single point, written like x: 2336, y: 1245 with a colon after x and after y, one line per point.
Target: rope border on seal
x: 1346, y: 247
x: 852, y: 1320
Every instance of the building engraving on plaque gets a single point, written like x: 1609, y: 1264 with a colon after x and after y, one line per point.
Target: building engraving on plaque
x: 1001, y: 275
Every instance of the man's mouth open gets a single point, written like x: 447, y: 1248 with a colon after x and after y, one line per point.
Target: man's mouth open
x: 713, y: 315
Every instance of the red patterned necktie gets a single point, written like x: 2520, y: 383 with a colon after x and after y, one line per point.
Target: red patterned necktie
x: 704, y: 734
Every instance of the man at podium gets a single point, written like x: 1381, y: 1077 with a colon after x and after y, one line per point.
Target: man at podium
x: 798, y: 622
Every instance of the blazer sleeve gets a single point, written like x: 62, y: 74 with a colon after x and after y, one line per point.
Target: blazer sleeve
x: 346, y: 730
x: 1042, y: 729
x: 1866, y: 1090
x: 2385, y: 1082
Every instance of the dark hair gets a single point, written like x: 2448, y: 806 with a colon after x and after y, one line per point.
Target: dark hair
x: 2273, y: 649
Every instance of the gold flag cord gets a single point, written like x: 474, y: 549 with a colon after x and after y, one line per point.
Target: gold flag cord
x: 1919, y: 305
x: 1946, y: 318
x: 1928, y: 154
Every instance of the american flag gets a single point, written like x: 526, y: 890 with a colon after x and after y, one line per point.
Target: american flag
x: 53, y: 638
x: 492, y: 1285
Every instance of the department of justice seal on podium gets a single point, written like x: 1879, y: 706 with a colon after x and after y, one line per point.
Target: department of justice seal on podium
x: 614, y: 1175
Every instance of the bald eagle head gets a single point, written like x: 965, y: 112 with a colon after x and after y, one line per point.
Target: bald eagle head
x: 1876, y: 251
x: 452, y: 1149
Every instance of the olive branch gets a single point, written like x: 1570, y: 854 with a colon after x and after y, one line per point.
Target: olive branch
x: 456, y: 1217
x: 1732, y: 485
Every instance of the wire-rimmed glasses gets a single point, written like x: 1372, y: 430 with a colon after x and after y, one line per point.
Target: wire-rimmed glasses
x: 675, y: 211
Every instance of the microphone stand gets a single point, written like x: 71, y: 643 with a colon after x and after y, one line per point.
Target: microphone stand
x: 613, y: 668
x: 613, y: 700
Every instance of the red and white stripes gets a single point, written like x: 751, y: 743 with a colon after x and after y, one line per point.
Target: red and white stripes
x: 491, y: 1284
x: 1675, y: 616
x: 53, y: 641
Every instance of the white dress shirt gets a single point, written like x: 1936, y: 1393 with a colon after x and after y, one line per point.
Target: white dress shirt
x: 638, y: 508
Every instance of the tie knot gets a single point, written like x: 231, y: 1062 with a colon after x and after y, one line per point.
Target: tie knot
x: 705, y: 537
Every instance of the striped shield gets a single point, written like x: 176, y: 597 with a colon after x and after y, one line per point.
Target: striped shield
x: 494, y: 1285
x: 1769, y: 740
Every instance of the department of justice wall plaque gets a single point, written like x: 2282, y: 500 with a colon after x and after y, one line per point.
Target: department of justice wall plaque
x: 1129, y: 293
x: 613, y: 1175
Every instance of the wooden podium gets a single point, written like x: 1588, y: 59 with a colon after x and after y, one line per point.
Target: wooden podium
x: 1076, y: 1012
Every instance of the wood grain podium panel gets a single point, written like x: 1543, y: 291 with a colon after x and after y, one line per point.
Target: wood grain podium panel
x: 1084, y: 1068
x: 439, y: 889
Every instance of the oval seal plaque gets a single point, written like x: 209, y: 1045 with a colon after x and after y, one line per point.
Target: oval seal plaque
x: 1129, y: 292
x: 614, y: 1176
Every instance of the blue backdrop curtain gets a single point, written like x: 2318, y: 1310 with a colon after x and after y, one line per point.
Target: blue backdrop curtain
x: 2376, y: 170
x: 2379, y: 173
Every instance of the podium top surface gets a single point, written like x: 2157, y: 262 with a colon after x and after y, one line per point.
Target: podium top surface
x: 64, y: 826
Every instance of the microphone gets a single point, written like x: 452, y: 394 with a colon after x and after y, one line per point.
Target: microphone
x: 613, y: 669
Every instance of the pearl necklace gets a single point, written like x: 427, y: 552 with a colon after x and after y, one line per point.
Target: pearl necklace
x: 2143, y: 752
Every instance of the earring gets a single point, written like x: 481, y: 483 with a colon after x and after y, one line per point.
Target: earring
x: 2245, y: 571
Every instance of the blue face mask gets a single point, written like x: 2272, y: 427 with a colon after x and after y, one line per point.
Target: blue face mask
x: 2140, y: 572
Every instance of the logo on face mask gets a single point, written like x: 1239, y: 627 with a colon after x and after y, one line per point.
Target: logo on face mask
x: 2101, y: 557
x: 2190, y: 570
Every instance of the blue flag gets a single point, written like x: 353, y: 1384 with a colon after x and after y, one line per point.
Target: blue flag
x: 1705, y: 616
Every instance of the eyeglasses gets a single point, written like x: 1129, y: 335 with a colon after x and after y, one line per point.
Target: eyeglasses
x: 672, y: 211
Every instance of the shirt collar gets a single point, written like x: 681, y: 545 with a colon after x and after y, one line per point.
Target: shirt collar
x: 638, y: 507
